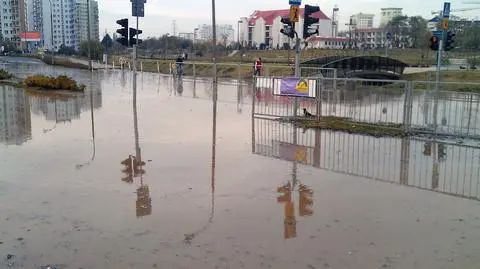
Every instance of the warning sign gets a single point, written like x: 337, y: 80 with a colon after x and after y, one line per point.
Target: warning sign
x: 302, y: 86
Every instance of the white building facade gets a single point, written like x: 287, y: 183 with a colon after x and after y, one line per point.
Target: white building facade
x: 263, y: 28
x: 362, y: 21
x: 225, y: 33
x: 387, y: 14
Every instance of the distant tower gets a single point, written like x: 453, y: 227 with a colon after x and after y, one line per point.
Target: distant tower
x: 335, y: 21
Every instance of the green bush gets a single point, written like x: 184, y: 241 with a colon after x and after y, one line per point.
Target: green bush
x: 53, y: 83
x: 5, y: 75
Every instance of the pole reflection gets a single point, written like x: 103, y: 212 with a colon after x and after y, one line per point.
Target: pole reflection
x: 92, y: 117
x: 189, y: 237
x: 134, y: 165
x: 435, y: 165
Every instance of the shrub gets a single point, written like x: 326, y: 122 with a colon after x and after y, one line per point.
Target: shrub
x: 54, y: 83
x: 4, y: 74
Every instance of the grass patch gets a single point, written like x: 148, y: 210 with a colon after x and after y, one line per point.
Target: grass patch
x: 5, y: 75
x: 351, y: 127
x: 471, y: 76
x: 53, y: 83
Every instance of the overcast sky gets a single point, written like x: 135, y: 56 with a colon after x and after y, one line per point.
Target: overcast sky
x: 160, y: 14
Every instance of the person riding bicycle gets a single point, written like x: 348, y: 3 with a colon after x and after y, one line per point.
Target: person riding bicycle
x: 179, y: 65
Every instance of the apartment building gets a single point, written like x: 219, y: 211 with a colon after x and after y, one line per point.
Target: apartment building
x: 12, y: 20
x: 63, y: 22
x: 82, y: 21
x: 263, y: 28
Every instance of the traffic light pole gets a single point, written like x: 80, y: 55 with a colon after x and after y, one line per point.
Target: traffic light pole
x: 437, y: 83
x: 297, y: 65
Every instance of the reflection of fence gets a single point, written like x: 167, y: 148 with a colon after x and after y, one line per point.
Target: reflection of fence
x: 430, y: 165
x: 411, y: 105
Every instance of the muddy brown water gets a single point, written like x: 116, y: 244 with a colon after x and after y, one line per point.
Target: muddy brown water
x: 63, y: 201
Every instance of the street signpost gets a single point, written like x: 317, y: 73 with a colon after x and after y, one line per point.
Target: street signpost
x: 138, y: 8
x: 446, y: 10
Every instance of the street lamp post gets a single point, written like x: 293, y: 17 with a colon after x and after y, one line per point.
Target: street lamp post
x: 166, y: 46
x: 51, y: 32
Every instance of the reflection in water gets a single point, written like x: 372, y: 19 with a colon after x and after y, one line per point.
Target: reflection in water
x: 178, y: 84
x: 92, y: 117
x: 190, y: 236
x: 239, y: 98
x: 133, y: 166
x: 15, y: 121
x: 431, y: 165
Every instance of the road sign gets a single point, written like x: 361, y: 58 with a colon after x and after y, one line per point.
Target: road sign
x: 446, y: 9
x: 389, y: 36
x: 138, y: 8
x: 445, y: 24
x: 294, y: 13
x: 438, y: 34
x: 294, y: 2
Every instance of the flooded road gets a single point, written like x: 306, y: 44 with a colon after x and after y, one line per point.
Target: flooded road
x: 73, y: 196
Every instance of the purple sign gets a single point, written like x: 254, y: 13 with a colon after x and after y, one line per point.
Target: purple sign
x: 294, y: 87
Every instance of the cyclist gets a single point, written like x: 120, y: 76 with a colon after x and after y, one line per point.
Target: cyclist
x: 179, y: 66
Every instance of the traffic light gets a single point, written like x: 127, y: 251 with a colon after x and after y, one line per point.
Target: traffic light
x: 434, y: 42
x: 132, y: 168
x: 134, y: 33
x: 442, y: 152
x: 123, y: 39
x: 449, y: 41
x: 427, y: 149
x: 128, y: 169
x: 288, y: 27
x: 306, y: 201
x: 285, y: 192
x: 309, y: 20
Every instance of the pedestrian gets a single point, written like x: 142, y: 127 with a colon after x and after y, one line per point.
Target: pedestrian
x: 258, y: 65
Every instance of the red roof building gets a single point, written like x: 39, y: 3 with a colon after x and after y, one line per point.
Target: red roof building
x: 263, y: 28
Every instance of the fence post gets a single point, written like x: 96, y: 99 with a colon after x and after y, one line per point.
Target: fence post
x: 129, y: 66
x: 113, y: 64
x: 407, y: 107
x: 318, y: 98
x: 194, y: 69
x: 141, y: 66
x: 158, y: 67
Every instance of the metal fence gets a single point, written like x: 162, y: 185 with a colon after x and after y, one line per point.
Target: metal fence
x: 411, y: 105
x: 434, y: 165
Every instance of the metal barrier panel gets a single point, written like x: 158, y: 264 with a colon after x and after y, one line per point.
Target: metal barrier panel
x: 318, y: 72
x: 270, y: 103
x: 456, y: 106
x: 367, y: 101
x: 438, y: 166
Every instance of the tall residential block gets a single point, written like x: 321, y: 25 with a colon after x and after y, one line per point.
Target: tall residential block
x: 82, y: 21
x: 13, y: 21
